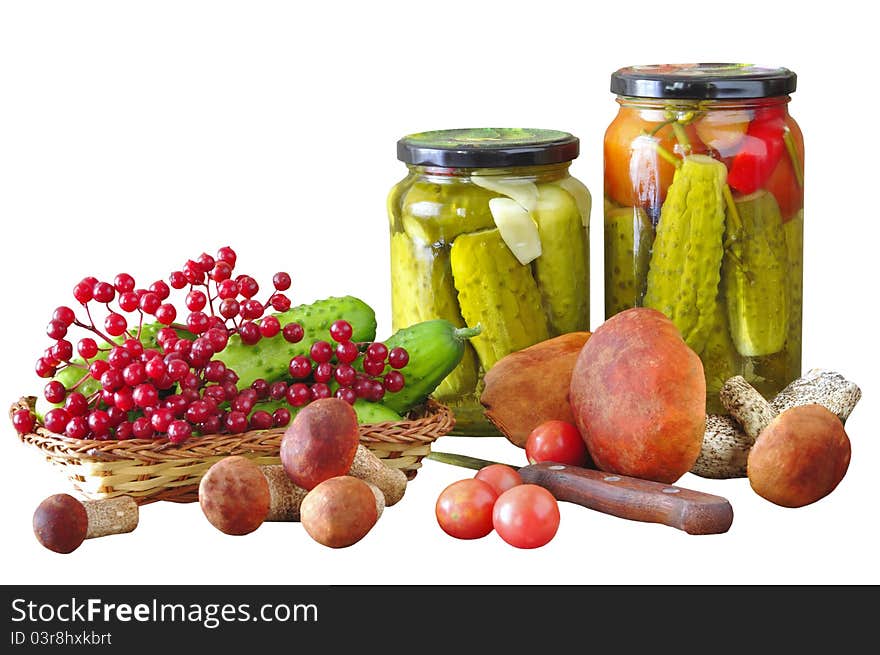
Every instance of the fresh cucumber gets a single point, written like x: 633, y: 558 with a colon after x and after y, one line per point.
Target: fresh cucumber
x: 435, y: 348
x: 367, y: 412
x: 269, y: 358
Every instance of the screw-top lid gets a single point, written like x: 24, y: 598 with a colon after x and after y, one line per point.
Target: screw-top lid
x: 487, y: 147
x: 703, y: 81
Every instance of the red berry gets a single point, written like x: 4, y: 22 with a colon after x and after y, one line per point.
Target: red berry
x: 136, y: 373
x: 54, y: 392
x: 249, y: 332
x: 179, y: 431
x: 215, y: 392
x: 293, y: 332
x: 227, y: 289
x: 196, y: 300
x: 373, y: 367
x: 116, y: 416
x: 103, y: 292
x: 377, y: 352
x: 376, y: 391
x: 398, y: 357
x: 119, y: 357
x: 205, y: 262
x: 252, y: 309
x: 193, y: 272
x: 56, y: 420
x: 227, y: 254
x: 99, y: 423
x: 56, y: 329
x: 277, y: 390
x: 176, y: 403
x: 62, y: 350
x: 123, y: 399
x: 111, y: 379
x: 320, y: 390
x: 45, y: 368
x: 300, y: 367
x: 134, y: 347
x: 83, y: 292
x: 261, y: 387
x: 64, y: 314
x: 201, y: 352
x: 145, y: 395
x: 77, y: 427
x: 231, y: 376
x: 123, y: 282
x: 142, y: 428
x: 247, y: 286
x: 298, y: 394
x: 210, y: 425
x: 345, y: 374
x: 230, y: 389
x: 341, y: 331
x: 76, y: 404
x: 87, y: 348
x: 269, y: 327
x: 197, y: 322
x: 177, y: 280
x: 280, y: 417
x: 218, y: 337
x: 281, y: 281
x: 347, y: 394
x: 394, y: 381
x: 156, y: 369
x: 215, y: 371
x: 97, y: 368
x: 362, y: 387
x: 198, y: 411
x: 123, y: 431
x: 236, y: 422
x: 190, y: 381
x: 221, y: 271
x: 149, y: 302
x: 115, y: 324
x: 280, y: 302
x: 24, y: 421
x: 160, y: 289
x: 323, y: 372
x: 161, y: 419
x: 245, y: 401
x: 261, y: 420
x: 229, y: 308
x: 321, y: 351
x: 347, y: 352
x: 166, y: 314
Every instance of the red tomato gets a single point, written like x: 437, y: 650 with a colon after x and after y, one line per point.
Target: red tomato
x: 557, y: 441
x: 499, y: 476
x: 464, y: 509
x: 783, y: 183
x: 526, y: 516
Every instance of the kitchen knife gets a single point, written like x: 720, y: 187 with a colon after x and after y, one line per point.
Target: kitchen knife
x: 693, y: 512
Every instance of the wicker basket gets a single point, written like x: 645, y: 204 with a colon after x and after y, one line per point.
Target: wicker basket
x: 155, y: 469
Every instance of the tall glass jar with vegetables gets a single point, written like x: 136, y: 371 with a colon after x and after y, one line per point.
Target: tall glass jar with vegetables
x: 704, y: 188
x: 489, y: 228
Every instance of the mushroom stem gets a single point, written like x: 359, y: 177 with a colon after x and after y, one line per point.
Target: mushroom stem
x: 747, y: 406
x: 285, y: 497
x: 107, y: 516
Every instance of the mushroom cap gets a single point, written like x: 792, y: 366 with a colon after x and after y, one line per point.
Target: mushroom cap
x: 800, y: 457
x: 234, y: 495
x: 61, y: 523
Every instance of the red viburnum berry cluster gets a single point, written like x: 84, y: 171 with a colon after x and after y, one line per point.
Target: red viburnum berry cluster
x: 172, y: 385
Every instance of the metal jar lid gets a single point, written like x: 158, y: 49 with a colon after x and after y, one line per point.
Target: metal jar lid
x: 703, y: 81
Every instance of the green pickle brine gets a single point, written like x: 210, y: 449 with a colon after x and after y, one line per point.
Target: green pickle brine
x: 704, y: 177
x: 489, y: 229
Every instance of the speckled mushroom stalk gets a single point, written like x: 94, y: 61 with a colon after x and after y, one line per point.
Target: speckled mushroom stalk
x: 729, y: 439
x: 62, y: 523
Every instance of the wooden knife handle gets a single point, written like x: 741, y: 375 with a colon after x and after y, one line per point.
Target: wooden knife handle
x: 632, y: 498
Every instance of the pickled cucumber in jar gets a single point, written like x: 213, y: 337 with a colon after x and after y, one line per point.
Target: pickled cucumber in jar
x: 704, y: 214
x: 489, y: 228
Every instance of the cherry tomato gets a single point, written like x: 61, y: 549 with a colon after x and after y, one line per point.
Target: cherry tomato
x: 499, y: 476
x: 556, y: 441
x: 635, y: 175
x: 526, y: 516
x: 464, y: 509
x: 782, y: 182
x: 760, y: 151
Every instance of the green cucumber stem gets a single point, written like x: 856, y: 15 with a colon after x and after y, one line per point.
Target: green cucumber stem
x: 682, y: 137
x: 791, y: 147
x: 467, y: 332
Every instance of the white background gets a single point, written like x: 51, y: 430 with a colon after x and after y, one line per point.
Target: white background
x: 136, y: 135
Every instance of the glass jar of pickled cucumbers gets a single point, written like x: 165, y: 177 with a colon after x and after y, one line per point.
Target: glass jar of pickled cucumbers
x: 704, y: 188
x: 488, y: 228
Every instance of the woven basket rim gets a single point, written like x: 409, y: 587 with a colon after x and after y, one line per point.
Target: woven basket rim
x: 423, y: 425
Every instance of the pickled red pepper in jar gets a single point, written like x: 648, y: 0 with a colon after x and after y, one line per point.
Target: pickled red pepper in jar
x: 489, y: 228
x: 704, y: 188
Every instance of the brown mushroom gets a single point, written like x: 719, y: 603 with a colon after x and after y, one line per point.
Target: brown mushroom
x: 62, y: 523
x: 799, y: 457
